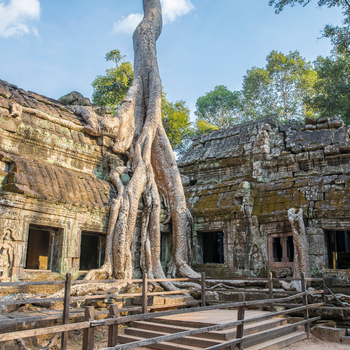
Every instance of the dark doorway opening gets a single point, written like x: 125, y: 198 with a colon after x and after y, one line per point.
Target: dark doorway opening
x: 281, y: 250
x: 338, y: 249
x: 165, y: 246
x: 212, y: 246
x: 277, y: 249
x: 41, y: 248
x: 92, y: 251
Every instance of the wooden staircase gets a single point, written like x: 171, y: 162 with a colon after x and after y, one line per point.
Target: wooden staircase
x: 271, y: 334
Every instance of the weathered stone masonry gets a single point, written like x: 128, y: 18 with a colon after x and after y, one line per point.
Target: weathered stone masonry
x: 243, y: 181
x: 52, y: 179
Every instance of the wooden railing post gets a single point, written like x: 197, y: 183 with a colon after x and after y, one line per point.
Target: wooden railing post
x: 89, y: 333
x: 113, y: 329
x: 65, y: 318
x: 203, y: 285
x: 305, y: 302
x: 270, y: 284
x: 240, y: 316
x: 144, y: 293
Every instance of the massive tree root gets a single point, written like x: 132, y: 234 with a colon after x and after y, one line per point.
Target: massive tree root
x: 301, y: 245
x: 139, y: 134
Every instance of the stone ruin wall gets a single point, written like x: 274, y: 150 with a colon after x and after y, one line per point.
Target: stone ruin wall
x: 50, y: 176
x: 243, y: 181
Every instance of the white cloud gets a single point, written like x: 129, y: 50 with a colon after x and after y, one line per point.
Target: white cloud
x: 175, y: 8
x: 15, y: 15
x: 127, y: 25
x: 172, y: 9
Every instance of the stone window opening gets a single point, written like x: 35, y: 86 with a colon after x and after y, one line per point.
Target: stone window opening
x: 211, y: 246
x: 165, y: 246
x: 193, y: 182
x: 281, y: 250
x: 92, y: 251
x: 338, y: 249
x: 41, y: 248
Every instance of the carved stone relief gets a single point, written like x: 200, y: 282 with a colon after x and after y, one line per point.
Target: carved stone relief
x: 6, y: 253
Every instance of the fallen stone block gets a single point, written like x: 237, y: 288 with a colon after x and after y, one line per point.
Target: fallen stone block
x: 328, y: 333
x: 345, y: 340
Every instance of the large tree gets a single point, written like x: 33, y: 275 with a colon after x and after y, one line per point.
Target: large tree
x: 280, y: 87
x: 139, y: 134
x: 332, y: 87
x: 280, y: 4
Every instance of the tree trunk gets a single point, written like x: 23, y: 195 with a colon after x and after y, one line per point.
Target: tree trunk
x: 301, y: 245
x: 139, y: 134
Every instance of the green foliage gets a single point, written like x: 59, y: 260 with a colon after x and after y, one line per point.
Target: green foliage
x: 177, y: 125
x: 280, y: 4
x: 111, y: 88
x: 202, y: 127
x: 220, y: 108
x: 339, y: 36
x: 332, y: 87
x: 280, y: 88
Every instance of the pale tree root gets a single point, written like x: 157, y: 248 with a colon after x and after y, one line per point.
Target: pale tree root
x: 301, y: 250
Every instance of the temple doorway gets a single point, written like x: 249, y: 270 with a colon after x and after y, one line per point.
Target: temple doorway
x: 338, y: 249
x: 41, y: 248
x: 92, y: 252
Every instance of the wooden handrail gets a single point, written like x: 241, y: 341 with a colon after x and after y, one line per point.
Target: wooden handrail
x: 240, y: 341
x: 217, y: 327
x: 124, y: 319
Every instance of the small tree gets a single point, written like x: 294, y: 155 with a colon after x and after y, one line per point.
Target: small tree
x: 218, y: 109
x: 111, y: 88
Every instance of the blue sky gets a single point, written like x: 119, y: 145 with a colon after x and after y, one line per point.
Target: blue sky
x: 56, y: 46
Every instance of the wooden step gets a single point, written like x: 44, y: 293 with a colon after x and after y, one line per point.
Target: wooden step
x: 192, y: 340
x: 264, y: 336
x: 222, y: 335
x: 279, y: 342
x: 123, y: 339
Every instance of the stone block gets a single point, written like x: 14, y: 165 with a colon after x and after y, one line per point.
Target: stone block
x: 317, y: 154
x: 331, y: 149
x: 310, y: 127
x: 336, y: 124
x: 310, y: 121
x: 316, y: 245
x: 323, y: 120
x: 345, y: 340
x: 328, y: 333
x: 322, y: 126
x: 302, y: 157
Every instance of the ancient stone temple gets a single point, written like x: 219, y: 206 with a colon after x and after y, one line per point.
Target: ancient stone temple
x: 243, y: 181
x: 242, y: 185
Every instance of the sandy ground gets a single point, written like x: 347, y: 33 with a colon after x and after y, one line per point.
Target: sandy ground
x: 317, y: 345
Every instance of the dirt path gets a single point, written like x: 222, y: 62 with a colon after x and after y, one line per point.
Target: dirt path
x: 317, y: 345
